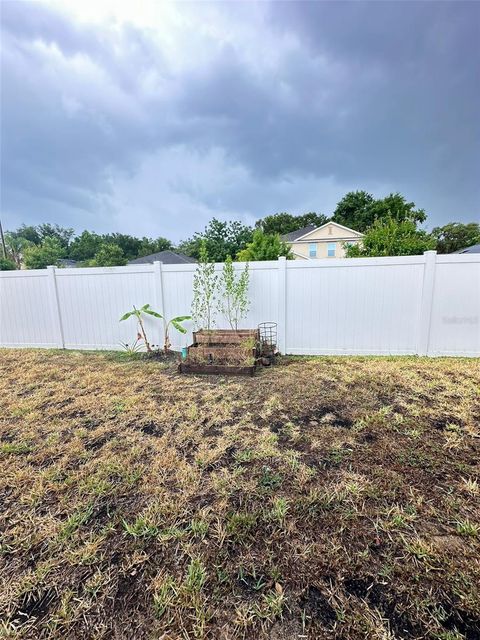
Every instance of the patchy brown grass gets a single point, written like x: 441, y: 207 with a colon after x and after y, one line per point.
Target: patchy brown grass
x: 325, y: 498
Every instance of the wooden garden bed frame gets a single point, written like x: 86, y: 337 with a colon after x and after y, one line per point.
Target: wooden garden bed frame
x: 219, y: 343
x: 216, y: 369
x: 224, y: 336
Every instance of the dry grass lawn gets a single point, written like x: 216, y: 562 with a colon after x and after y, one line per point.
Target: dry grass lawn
x: 324, y: 498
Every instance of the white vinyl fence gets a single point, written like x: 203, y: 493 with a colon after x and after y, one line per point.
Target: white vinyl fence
x: 426, y: 305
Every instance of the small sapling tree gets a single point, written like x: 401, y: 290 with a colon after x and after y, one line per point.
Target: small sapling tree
x: 205, y: 282
x: 234, y: 302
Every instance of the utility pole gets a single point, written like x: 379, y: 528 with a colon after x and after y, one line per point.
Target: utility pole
x: 3, y: 241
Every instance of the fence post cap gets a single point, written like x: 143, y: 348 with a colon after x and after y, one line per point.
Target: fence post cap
x: 430, y: 252
x: 282, y: 258
x: 52, y: 266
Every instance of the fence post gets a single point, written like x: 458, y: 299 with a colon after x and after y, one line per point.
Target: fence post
x: 282, y: 303
x: 158, y: 296
x: 55, y: 304
x: 427, y: 302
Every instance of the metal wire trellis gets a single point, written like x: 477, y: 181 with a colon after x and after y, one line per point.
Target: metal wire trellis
x: 268, y: 338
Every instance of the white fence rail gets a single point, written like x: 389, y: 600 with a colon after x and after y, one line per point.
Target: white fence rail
x: 426, y: 305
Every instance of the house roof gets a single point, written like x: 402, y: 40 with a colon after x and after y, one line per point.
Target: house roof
x: 294, y: 235
x: 67, y: 263
x: 300, y: 233
x: 167, y: 257
x: 475, y: 248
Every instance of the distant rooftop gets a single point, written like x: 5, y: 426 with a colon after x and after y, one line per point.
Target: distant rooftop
x: 167, y: 257
x: 293, y: 235
x: 475, y: 248
x: 66, y: 263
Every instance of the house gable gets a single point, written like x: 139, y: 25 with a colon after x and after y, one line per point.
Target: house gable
x: 327, y: 241
x: 329, y: 231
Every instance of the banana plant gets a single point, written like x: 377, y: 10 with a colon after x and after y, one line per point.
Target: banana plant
x: 146, y: 309
x: 138, y: 314
x: 176, y: 324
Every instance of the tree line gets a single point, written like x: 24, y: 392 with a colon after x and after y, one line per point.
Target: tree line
x: 392, y: 226
x: 36, y: 247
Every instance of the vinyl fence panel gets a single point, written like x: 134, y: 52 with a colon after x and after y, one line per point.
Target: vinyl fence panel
x: 455, y: 325
x: 371, y: 307
x: 26, y: 309
x: 426, y: 305
x: 92, y: 300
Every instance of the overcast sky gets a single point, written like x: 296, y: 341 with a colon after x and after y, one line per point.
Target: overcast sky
x: 151, y: 118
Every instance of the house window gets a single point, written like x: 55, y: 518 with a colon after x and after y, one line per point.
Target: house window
x: 331, y: 249
x: 312, y: 250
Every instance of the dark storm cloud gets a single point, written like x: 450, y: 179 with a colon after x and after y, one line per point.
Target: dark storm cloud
x: 304, y: 100
x: 423, y: 99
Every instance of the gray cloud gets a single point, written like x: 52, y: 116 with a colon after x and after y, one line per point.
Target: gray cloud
x: 236, y: 110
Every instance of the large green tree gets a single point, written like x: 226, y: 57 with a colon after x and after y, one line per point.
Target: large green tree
x: 7, y: 265
x: 389, y: 237
x: 148, y: 246
x: 352, y: 210
x: 396, y: 206
x: 85, y: 246
x: 45, y: 254
x: 455, y: 235
x: 109, y: 255
x: 127, y: 243
x: 358, y: 210
x: 27, y: 232
x: 283, y: 223
x: 264, y: 246
x: 16, y: 245
x: 221, y: 239
x: 55, y: 231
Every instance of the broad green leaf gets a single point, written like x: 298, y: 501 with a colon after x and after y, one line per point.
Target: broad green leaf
x: 151, y: 312
x: 179, y: 327
x: 127, y: 315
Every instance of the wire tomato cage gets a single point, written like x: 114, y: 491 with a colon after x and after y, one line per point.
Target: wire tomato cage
x: 268, y: 339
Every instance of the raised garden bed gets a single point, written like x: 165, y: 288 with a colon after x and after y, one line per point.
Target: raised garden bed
x: 216, y: 369
x: 223, y: 352
x: 225, y: 336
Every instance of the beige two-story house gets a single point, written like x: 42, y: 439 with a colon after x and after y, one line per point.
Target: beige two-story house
x: 326, y: 241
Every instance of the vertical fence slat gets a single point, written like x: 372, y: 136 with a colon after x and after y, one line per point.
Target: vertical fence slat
x: 55, y: 305
x: 159, y: 299
x: 282, y: 303
x: 426, y: 303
